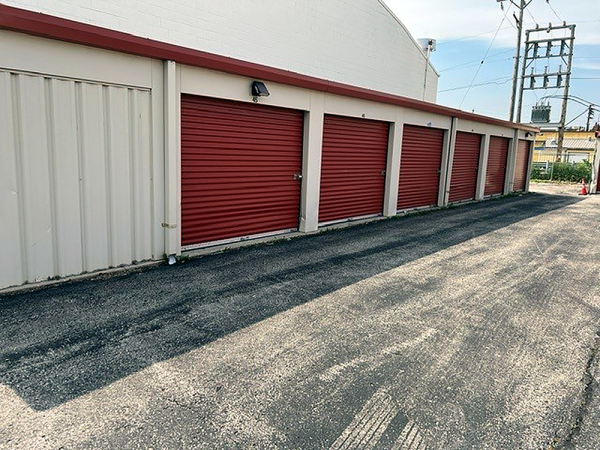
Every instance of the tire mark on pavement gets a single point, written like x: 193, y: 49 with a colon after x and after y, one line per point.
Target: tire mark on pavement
x: 373, y: 427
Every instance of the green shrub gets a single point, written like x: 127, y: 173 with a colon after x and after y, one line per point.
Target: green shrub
x: 536, y: 173
x: 564, y: 171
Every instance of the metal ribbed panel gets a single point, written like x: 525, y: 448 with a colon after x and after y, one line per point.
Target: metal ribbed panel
x: 76, y: 177
x: 420, y: 165
x: 496, y: 165
x: 463, y: 180
x: 352, y: 168
x: 238, y: 162
x: 521, y: 164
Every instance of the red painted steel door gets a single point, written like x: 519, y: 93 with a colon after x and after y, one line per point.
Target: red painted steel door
x: 238, y: 162
x: 496, y: 166
x: 463, y: 180
x: 352, y: 167
x: 420, y: 165
x: 521, y: 165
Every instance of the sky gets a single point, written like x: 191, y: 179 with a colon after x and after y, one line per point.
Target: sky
x: 467, y: 30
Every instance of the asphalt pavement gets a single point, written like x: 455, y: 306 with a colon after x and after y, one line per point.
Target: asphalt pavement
x: 473, y: 327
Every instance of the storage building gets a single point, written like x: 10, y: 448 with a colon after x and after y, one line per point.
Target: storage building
x: 133, y: 131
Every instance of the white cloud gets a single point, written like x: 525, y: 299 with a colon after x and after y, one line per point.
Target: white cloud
x: 478, y: 19
x: 587, y: 65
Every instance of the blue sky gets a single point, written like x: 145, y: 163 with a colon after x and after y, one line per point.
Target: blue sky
x: 465, y: 30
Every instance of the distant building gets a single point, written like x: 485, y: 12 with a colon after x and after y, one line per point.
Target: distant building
x: 577, y: 146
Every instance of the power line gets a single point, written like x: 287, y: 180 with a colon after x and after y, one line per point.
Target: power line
x: 506, y: 15
x: 584, y: 111
x: 553, y: 10
x: 531, y: 15
x: 500, y: 81
x: 471, y: 36
x: 483, y: 60
x: 584, y: 100
x: 477, y: 61
x: 497, y: 81
x: 442, y: 42
x: 572, y: 98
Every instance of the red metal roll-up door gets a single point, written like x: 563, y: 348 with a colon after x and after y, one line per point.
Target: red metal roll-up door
x: 496, y: 166
x: 238, y: 162
x: 352, y: 168
x: 420, y: 165
x: 521, y: 164
x: 463, y: 180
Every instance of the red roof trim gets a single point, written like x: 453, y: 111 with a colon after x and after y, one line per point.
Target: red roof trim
x: 43, y: 25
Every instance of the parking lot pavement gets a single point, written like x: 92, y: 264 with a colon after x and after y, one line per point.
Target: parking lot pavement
x: 467, y: 328
x: 556, y: 188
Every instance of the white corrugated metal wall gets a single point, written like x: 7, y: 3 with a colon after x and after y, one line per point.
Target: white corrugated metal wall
x: 76, y: 178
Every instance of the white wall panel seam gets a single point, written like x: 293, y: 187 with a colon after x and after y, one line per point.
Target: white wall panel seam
x: 95, y: 211
x: 9, y: 92
x: 153, y: 215
x: 149, y: 218
x: 35, y: 166
x: 68, y: 225
x: 51, y: 139
x: 105, y: 98
x: 10, y: 263
x: 158, y: 151
x: 133, y: 131
x: 78, y: 87
x: 18, y: 138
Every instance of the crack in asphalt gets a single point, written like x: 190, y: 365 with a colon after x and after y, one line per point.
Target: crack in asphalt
x: 589, y: 386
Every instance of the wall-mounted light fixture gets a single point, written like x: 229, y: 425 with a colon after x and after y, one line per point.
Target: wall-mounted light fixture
x: 258, y: 89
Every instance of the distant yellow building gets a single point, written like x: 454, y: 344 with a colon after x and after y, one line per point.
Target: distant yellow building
x: 577, y: 146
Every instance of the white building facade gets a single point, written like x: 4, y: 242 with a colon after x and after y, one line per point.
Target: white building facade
x: 356, y: 42
x: 118, y: 149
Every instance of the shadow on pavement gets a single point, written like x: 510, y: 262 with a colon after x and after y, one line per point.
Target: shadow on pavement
x: 65, y: 341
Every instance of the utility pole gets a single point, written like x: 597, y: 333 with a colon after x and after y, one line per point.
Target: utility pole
x: 590, y: 117
x: 521, y: 6
x: 543, y: 48
x: 565, y: 43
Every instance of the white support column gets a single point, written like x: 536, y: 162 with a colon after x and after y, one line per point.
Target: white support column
x: 482, y: 170
x: 509, y: 180
x: 392, y: 171
x: 311, y: 164
x: 172, y: 160
x: 449, y: 160
x: 529, y: 163
x: 446, y: 166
